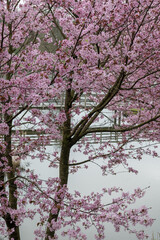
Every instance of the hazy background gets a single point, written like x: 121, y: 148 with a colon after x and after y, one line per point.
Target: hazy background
x: 90, y: 180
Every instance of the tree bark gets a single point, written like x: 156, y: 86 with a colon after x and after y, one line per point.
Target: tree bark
x: 64, y: 163
x: 12, y: 185
x: 63, y: 174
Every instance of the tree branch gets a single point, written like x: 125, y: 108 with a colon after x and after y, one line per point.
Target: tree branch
x: 55, y: 22
x: 81, y: 128
x: 2, y: 34
x: 120, y: 130
x: 24, y: 108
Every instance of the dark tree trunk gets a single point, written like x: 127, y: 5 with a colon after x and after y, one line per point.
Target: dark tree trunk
x: 12, y: 201
x: 12, y: 186
x: 63, y: 173
x: 64, y: 161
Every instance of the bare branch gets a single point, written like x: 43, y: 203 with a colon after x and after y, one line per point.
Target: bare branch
x: 24, y: 108
x: 81, y: 128
x: 120, y: 130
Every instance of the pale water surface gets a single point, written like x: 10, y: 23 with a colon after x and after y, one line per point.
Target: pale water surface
x: 90, y: 180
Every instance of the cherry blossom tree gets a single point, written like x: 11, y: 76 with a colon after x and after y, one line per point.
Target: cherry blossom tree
x: 93, y: 56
